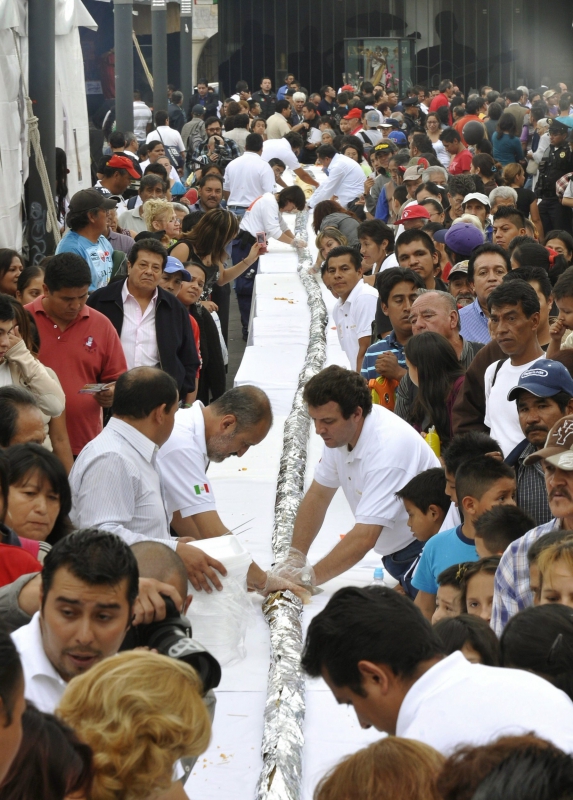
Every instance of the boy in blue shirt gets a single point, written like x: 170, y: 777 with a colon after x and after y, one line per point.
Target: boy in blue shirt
x: 397, y: 289
x: 481, y: 484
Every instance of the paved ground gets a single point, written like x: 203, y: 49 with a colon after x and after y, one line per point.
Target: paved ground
x: 236, y: 344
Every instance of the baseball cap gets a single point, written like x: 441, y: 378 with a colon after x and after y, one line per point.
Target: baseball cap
x: 462, y: 238
x: 347, y: 88
x: 398, y: 137
x: 549, y: 93
x: 558, y: 447
x: 354, y: 113
x: 198, y: 109
x: 382, y: 147
x: 389, y: 122
x: 174, y: 265
x: 413, y: 173
x: 124, y: 162
x: 544, y: 379
x: 461, y: 266
x: 373, y: 118
x: 413, y: 212
x: 481, y: 198
x: 86, y: 199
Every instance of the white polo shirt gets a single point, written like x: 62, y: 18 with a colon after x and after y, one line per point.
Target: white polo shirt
x: 44, y: 686
x: 501, y: 415
x: 264, y: 215
x: 388, y: 454
x: 458, y: 703
x: 280, y: 148
x: 184, y: 461
x: 354, y: 318
x: 247, y: 178
x: 169, y: 136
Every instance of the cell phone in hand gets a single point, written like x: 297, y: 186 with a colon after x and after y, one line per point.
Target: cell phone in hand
x: 262, y: 240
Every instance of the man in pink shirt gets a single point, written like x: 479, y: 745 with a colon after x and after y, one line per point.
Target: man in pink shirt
x: 461, y: 158
x: 443, y: 98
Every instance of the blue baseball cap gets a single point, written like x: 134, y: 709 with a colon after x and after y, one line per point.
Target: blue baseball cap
x: 397, y: 137
x: 174, y: 265
x: 545, y: 378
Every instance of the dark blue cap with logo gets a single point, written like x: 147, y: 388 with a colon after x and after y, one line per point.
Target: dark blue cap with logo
x: 544, y: 378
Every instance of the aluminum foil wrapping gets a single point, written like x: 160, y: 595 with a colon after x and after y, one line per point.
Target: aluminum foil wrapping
x: 283, y: 739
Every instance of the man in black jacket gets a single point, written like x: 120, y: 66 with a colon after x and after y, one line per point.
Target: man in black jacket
x: 266, y: 98
x: 152, y: 324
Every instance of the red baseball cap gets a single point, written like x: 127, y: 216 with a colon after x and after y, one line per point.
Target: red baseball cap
x: 413, y: 212
x: 124, y: 162
x: 347, y: 88
x: 354, y: 113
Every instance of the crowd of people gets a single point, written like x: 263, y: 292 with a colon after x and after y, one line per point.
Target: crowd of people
x: 444, y: 233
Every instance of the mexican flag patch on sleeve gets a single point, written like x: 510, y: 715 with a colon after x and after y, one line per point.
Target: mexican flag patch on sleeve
x: 201, y: 488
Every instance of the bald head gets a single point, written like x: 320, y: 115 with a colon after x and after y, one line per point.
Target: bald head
x: 248, y: 404
x: 435, y: 311
x: 156, y: 560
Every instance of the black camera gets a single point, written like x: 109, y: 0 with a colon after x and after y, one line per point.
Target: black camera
x: 172, y: 637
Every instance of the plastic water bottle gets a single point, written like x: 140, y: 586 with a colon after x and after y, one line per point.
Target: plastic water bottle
x: 378, y: 577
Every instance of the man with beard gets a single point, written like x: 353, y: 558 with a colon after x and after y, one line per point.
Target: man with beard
x: 239, y: 419
x: 512, y: 590
x: 544, y: 394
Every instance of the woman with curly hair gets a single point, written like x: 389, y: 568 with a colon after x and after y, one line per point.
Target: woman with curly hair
x: 139, y: 712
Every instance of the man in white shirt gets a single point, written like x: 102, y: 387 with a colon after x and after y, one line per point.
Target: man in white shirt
x: 514, y: 319
x: 287, y: 150
x: 116, y: 483
x: 265, y: 215
x: 345, y: 177
x: 141, y: 117
x: 236, y: 421
x: 247, y: 177
x: 355, y: 309
x: 371, y: 453
x: 166, y: 134
x: 375, y: 651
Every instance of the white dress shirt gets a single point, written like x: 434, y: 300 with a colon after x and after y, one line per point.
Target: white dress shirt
x: 264, y: 215
x: 354, y: 318
x: 43, y: 685
x: 184, y: 461
x: 280, y: 148
x: 458, y: 703
x: 116, y: 485
x: 345, y: 180
x: 138, y: 335
x: 388, y: 454
x: 247, y: 178
x: 169, y: 136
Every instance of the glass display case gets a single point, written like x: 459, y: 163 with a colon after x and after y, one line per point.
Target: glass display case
x: 388, y: 61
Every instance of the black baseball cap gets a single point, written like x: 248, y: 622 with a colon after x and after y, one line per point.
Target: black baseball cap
x: 87, y: 199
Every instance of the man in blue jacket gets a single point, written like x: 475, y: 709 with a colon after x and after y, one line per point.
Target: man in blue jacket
x: 152, y: 324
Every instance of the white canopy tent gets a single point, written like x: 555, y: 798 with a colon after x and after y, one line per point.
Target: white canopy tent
x: 72, y: 130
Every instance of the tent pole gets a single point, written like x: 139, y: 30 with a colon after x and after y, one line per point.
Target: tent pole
x: 186, y: 47
x: 123, y: 41
x: 159, y: 53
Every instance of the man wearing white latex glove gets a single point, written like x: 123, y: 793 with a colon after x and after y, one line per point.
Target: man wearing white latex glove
x: 236, y: 421
x: 264, y: 216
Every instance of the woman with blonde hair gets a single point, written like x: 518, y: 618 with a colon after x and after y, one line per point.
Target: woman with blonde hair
x: 393, y: 768
x: 327, y: 240
x: 205, y: 243
x: 160, y: 216
x: 139, y: 712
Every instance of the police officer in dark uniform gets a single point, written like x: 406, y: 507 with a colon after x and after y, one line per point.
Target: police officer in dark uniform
x: 556, y: 162
x: 413, y: 117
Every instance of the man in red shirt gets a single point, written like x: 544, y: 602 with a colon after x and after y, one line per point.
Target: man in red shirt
x: 78, y: 343
x: 355, y: 117
x: 461, y: 161
x: 471, y: 115
x: 444, y: 97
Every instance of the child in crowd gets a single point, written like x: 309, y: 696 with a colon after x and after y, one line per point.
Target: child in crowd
x: 477, y: 587
x: 498, y: 528
x: 555, y: 565
x: 426, y: 503
x: 481, y: 483
x: 465, y: 447
x: 449, y: 594
x: 545, y: 541
x: 472, y: 636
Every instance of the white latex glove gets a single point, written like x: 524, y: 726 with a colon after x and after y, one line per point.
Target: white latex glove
x: 296, y: 568
x: 298, y: 243
x: 278, y: 583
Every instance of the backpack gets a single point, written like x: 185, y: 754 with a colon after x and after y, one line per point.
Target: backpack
x: 172, y: 153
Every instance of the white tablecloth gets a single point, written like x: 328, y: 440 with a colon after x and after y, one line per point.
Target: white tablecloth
x: 245, y: 489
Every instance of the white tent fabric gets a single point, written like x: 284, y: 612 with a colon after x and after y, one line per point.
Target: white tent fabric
x: 72, y: 132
